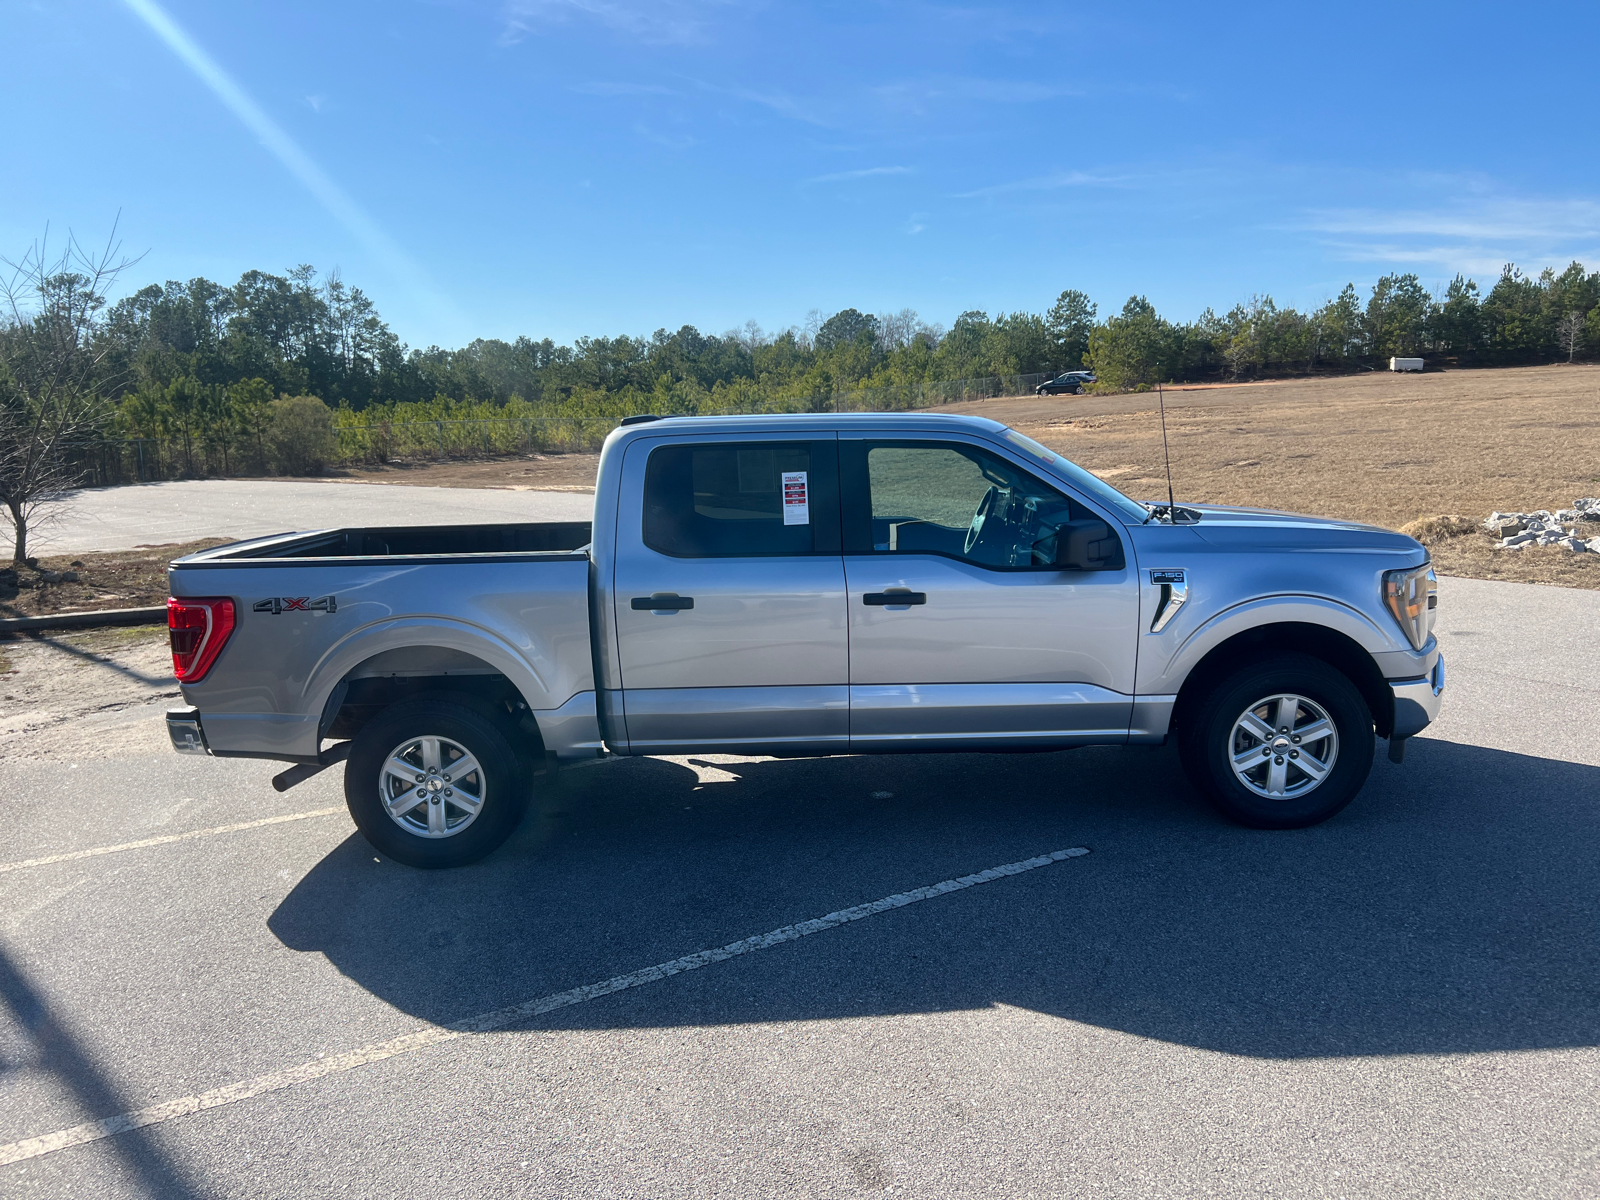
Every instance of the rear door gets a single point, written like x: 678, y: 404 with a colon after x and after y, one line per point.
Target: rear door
x: 730, y: 595
x: 963, y: 631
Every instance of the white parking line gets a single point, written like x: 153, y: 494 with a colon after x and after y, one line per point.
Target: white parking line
x: 432, y: 1035
x: 166, y: 840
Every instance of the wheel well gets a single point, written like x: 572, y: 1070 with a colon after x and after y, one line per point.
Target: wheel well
x: 1342, y: 653
x: 397, y: 675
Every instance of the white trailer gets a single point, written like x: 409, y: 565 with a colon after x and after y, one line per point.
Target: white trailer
x: 1405, y: 364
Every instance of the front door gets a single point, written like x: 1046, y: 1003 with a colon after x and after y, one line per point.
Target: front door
x: 963, y: 630
x: 729, y: 594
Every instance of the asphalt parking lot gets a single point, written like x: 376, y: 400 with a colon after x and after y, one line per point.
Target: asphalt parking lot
x: 1401, y: 1002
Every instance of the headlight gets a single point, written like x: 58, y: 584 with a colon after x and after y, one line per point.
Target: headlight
x: 1412, y: 596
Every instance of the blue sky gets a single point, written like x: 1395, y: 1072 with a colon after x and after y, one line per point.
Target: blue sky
x: 568, y: 167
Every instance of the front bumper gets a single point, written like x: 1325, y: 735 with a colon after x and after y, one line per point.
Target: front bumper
x: 185, y: 730
x: 1417, y: 701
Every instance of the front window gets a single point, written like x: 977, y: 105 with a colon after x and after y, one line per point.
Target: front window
x: 961, y: 502
x: 1130, y: 510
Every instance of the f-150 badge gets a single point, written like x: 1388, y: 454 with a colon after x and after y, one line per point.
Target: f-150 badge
x: 283, y: 604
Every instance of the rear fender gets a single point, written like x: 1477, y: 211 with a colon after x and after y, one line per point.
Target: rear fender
x: 407, y: 633
x: 558, y: 717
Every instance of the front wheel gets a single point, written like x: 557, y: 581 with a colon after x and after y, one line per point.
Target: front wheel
x: 1281, y: 744
x: 434, y: 783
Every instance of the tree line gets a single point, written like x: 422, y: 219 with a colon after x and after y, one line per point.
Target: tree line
x: 281, y: 373
x: 304, y: 335
x: 1522, y: 319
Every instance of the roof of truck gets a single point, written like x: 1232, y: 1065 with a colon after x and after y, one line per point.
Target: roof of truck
x: 755, y: 422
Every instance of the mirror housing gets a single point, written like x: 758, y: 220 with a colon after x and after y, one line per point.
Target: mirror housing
x: 1087, y: 545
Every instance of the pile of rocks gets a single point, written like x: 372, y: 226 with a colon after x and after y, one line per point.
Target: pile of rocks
x: 1546, y: 528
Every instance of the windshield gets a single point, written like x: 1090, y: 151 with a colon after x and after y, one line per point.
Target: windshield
x: 1132, y: 510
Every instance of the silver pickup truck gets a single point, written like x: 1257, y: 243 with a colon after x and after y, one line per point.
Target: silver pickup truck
x: 799, y: 586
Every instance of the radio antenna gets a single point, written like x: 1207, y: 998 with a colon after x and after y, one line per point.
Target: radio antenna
x: 1172, y: 505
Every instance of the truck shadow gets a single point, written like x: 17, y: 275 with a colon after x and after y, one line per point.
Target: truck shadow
x: 1455, y: 907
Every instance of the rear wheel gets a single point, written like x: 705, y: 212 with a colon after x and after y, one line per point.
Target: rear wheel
x: 1281, y: 744
x: 434, y: 782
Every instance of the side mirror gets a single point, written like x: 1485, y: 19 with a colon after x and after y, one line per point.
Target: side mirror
x: 1087, y: 545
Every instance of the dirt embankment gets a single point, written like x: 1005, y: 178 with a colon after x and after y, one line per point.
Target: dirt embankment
x: 134, y: 578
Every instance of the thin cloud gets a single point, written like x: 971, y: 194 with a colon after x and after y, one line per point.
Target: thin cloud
x: 779, y: 102
x: 864, y: 173
x: 1469, y: 260
x: 333, y: 198
x: 1047, y: 183
x: 1473, y: 260
x: 682, y: 22
x: 605, y: 88
x: 1475, y: 237
x: 917, y: 95
x: 1494, y: 220
x: 1007, y: 23
x: 679, y: 142
x: 1005, y: 91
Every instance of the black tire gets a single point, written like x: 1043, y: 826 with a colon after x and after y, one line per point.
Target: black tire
x: 1211, y: 736
x: 501, y: 783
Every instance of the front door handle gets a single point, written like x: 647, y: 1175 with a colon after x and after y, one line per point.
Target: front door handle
x: 662, y: 602
x: 895, y: 596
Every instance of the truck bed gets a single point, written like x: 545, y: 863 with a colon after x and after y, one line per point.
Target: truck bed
x: 317, y: 614
x: 410, y: 542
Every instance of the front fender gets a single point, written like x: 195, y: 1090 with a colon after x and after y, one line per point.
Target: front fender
x: 1165, y: 661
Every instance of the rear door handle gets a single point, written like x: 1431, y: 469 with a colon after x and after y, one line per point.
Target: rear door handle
x: 662, y: 602
x: 884, y: 599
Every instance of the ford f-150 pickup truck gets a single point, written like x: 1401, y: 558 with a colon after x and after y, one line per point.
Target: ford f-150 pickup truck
x: 807, y: 585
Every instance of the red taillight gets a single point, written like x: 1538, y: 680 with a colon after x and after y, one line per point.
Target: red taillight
x: 199, y: 627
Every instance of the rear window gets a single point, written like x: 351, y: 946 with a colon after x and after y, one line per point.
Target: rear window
x: 739, y: 500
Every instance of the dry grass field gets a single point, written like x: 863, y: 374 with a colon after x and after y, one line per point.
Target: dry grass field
x: 1387, y: 449
x: 531, y: 472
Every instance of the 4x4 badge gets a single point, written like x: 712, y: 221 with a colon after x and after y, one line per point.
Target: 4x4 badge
x: 283, y: 604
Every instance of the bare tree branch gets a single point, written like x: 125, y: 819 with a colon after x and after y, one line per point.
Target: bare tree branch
x: 53, y: 378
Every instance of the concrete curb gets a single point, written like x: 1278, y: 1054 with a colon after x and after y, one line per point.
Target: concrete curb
x: 108, y: 619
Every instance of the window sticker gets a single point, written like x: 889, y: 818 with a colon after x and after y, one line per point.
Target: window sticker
x: 796, y: 499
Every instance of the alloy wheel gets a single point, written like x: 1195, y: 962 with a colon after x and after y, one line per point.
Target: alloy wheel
x: 432, y: 787
x: 1283, y: 746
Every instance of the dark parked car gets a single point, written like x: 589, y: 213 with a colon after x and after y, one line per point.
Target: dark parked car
x: 1071, y: 382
